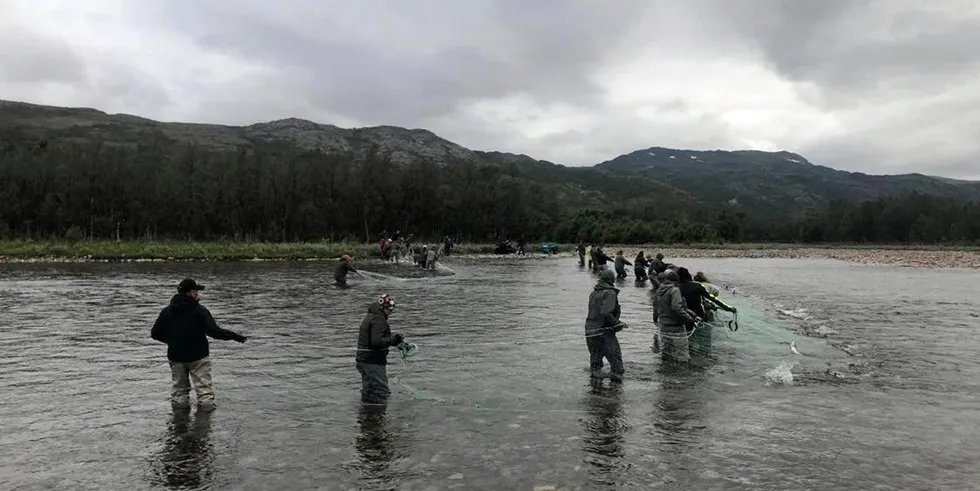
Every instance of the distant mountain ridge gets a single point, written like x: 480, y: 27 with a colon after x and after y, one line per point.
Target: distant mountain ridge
x: 754, y: 182
x: 768, y: 181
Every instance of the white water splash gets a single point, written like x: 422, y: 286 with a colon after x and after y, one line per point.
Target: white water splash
x: 796, y: 314
x: 781, y: 375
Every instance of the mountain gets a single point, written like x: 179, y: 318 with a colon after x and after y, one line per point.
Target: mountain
x: 765, y: 184
x: 770, y: 182
x: 81, y: 124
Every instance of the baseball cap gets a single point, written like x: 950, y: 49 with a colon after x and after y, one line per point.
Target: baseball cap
x: 188, y: 284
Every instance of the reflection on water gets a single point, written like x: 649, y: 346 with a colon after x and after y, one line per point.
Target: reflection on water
x: 186, y: 460
x: 605, y: 429
x: 375, y: 444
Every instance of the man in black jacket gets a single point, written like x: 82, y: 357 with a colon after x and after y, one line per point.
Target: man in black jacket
x: 340, y: 271
x: 185, y: 325
x: 695, y: 295
x: 373, y: 341
x: 657, y: 266
x: 600, y: 259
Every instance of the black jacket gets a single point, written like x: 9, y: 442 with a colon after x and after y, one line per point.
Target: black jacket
x: 600, y: 258
x: 374, y: 337
x: 185, y: 326
x: 340, y: 272
x: 657, y: 266
x: 694, y: 293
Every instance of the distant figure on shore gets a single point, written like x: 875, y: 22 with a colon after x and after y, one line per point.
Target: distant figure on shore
x: 340, y: 271
x: 373, y: 340
x: 185, y: 326
x: 447, y: 245
x: 601, y: 327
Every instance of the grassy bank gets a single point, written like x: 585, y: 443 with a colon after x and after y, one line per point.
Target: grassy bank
x: 19, y: 250
x: 24, y: 250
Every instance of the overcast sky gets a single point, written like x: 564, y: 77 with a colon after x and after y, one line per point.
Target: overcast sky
x: 887, y: 86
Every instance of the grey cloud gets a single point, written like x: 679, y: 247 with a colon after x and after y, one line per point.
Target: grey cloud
x: 549, y: 49
x: 420, y: 63
x: 861, y: 49
x: 28, y: 57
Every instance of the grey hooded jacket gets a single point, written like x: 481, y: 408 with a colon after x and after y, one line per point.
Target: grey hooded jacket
x: 669, y: 308
x: 604, y: 308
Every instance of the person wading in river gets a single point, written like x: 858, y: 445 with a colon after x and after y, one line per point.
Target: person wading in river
x: 340, y: 271
x: 674, y: 319
x: 695, y: 296
x: 373, y: 341
x: 185, y: 326
x: 601, y: 327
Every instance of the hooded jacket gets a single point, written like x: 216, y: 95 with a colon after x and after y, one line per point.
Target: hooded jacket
x: 657, y: 266
x: 669, y: 309
x: 374, y: 337
x: 604, y: 308
x: 185, y: 325
x: 641, y: 262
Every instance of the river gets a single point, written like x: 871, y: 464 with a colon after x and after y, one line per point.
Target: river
x: 882, y: 392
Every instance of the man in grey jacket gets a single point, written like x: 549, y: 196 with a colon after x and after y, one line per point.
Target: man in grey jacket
x: 601, y: 327
x: 672, y: 316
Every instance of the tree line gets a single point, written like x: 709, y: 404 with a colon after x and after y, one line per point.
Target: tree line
x: 159, y: 190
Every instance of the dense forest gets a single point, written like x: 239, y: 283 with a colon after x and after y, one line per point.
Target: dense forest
x: 156, y: 190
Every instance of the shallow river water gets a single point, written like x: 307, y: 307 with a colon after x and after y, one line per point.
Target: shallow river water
x: 498, y: 395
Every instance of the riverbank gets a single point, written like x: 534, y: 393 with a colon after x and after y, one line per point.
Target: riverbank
x: 957, y: 257
x: 106, y: 251
x: 96, y: 251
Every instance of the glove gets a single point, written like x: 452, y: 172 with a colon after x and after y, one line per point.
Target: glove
x: 241, y: 339
x: 397, y: 339
x: 734, y: 310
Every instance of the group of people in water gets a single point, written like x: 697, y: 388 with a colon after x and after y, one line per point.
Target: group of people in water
x: 394, y: 247
x: 682, y: 303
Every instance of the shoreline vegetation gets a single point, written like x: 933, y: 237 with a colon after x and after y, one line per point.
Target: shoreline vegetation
x: 29, y: 251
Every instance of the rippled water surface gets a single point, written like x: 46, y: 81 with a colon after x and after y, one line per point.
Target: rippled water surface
x: 498, y: 396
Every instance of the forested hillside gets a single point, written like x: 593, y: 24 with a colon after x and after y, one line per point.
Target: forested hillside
x: 80, y: 173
